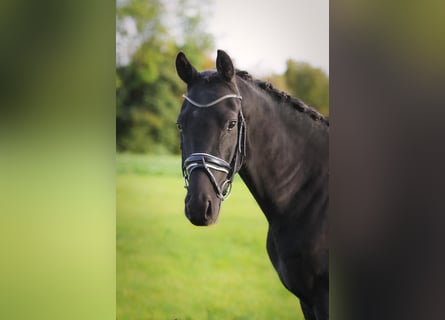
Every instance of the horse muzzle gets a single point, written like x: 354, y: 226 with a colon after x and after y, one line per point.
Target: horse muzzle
x: 201, y: 204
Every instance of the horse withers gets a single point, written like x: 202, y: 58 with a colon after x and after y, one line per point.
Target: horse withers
x: 231, y: 123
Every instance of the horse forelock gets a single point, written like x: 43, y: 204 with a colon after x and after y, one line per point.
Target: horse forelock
x: 212, y: 77
x: 208, y: 74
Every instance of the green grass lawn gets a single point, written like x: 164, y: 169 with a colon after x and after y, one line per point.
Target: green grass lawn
x: 169, y: 269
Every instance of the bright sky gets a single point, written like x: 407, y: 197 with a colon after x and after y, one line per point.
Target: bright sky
x: 260, y: 35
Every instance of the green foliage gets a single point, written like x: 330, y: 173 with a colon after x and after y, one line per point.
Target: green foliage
x: 309, y: 84
x: 147, y: 88
x: 148, y: 101
x: 166, y: 268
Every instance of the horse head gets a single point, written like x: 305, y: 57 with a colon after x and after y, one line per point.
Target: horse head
x: 212, y: 130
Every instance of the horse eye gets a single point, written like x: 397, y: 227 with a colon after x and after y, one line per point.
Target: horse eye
x: 179, y: 126
x: 232, y: 124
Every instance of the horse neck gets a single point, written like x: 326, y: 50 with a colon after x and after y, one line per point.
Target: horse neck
x: 287, y: 153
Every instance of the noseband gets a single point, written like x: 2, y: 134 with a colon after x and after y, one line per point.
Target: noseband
x: 207, y: 161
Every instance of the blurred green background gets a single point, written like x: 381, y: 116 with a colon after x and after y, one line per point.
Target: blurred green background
x: 169, y: 269
x: 57, y: 134
x: 166, y: 267
x: 148, y: 91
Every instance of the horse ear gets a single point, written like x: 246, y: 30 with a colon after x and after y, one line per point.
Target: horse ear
x: 184, y: 68
x: 224, y: 65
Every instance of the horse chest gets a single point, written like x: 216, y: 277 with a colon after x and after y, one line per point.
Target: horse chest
x: 293, y: 265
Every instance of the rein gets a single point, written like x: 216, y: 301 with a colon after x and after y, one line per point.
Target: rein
x: 207, y: 161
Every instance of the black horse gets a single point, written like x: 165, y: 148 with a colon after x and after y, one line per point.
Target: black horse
x: 231, y: 123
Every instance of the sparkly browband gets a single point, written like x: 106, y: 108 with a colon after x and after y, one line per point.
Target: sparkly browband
x: 200, y: 105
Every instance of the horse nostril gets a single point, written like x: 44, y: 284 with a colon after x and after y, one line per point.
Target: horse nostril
x: 208, y: 213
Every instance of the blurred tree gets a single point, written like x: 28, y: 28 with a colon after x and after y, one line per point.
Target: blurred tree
x: 137, y: 21
x: 149, y: 33
x: 193, y: 40
x: 147, y: 87
x: 309, y: 84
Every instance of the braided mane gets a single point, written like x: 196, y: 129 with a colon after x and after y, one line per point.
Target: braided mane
x: 282, y: 96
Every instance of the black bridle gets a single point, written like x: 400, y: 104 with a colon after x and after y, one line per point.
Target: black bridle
x: 209, y: 162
